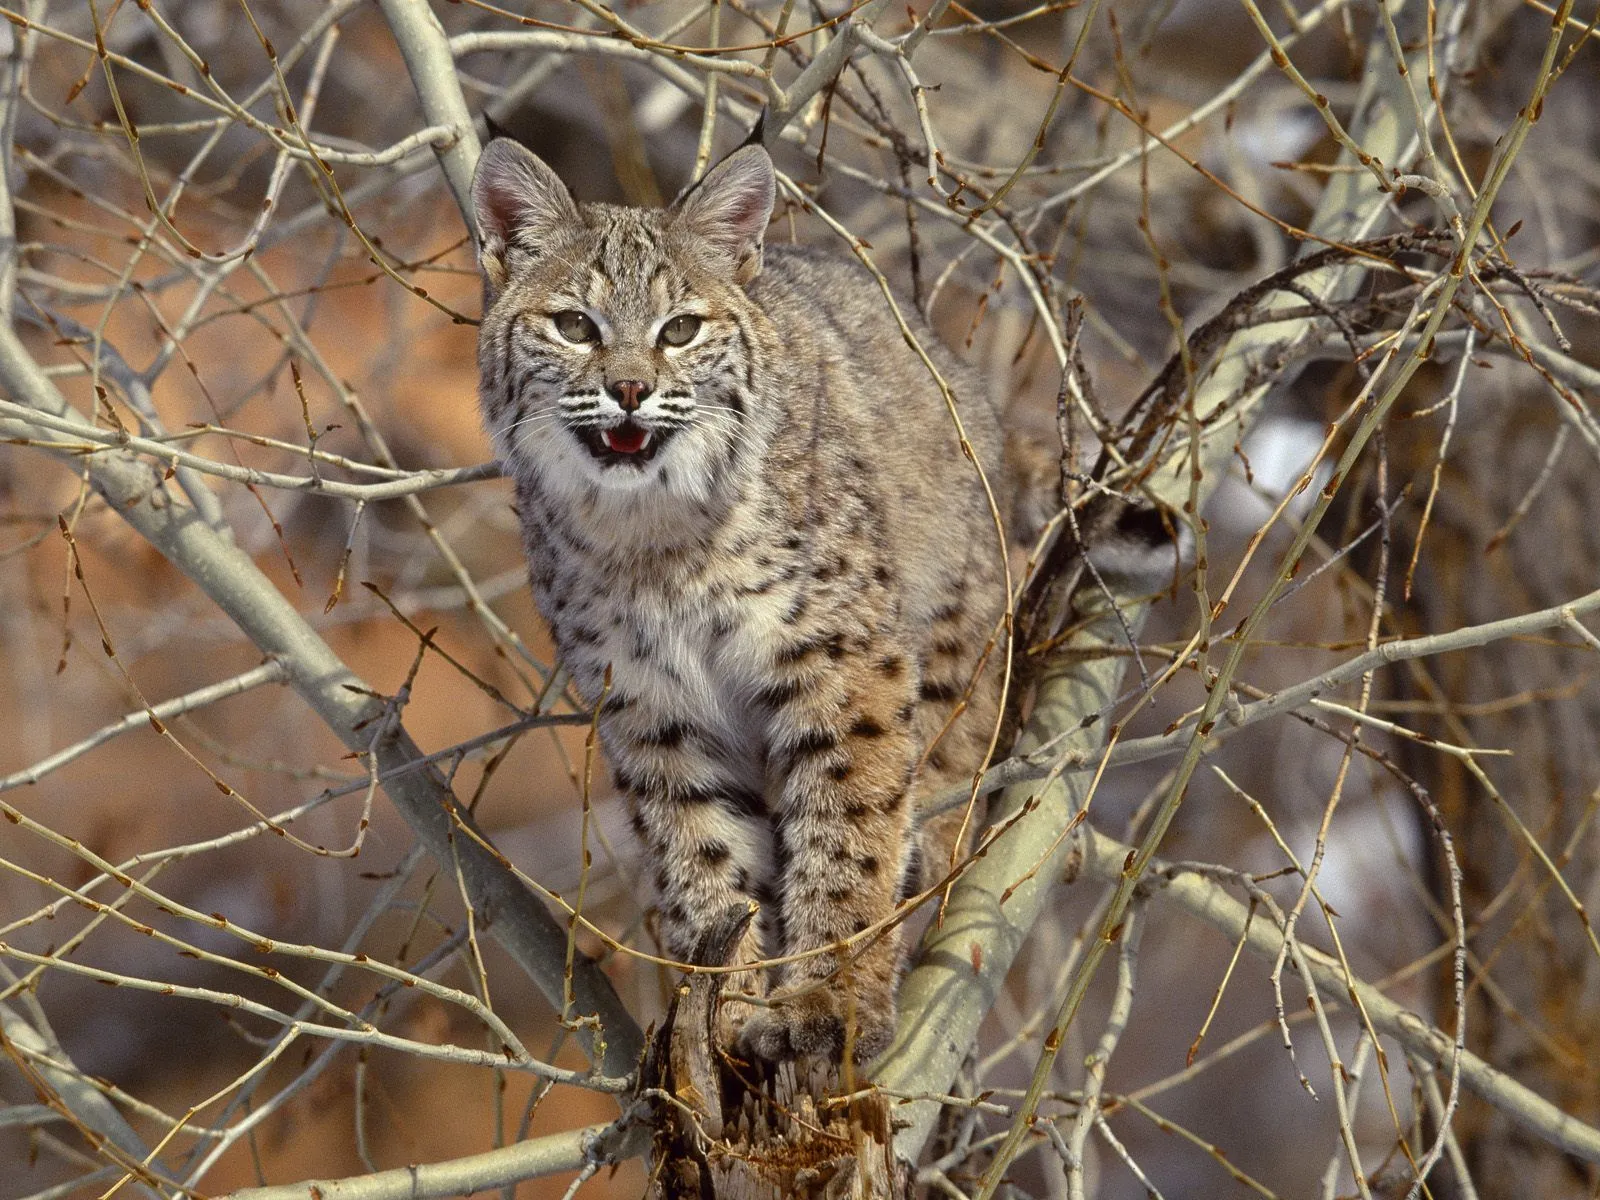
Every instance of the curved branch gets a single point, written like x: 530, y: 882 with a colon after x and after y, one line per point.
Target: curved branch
x: 427, y: 55
x: 136, y: 492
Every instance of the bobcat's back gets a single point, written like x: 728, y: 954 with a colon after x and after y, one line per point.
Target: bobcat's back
x: 879, y: 413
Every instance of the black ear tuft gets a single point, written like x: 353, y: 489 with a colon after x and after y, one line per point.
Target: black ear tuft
x: 758, y: 132
x: 492, y: 128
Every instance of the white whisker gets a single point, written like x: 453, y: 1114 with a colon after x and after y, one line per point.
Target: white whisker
x: 535, y: 419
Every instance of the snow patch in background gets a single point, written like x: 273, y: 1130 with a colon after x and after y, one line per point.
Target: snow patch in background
x: 1279, y: 449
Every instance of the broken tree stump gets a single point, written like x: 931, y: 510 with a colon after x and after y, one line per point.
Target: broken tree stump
x: 730, y: 1130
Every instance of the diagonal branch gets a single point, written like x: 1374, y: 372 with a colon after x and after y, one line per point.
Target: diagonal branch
x: 136, y: 491
x: 819, y: 72
x: 1103, y: 858
x: 432, y: 67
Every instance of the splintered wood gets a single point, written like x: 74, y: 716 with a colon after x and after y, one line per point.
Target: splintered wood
x: 736, y: 1131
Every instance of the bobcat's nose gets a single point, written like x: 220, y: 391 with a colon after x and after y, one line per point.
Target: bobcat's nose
x: 629, y: 393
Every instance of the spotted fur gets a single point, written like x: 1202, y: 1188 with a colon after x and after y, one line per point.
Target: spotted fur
x: 780, y: 552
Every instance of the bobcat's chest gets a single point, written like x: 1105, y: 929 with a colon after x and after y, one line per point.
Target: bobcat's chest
x: 695, y: 648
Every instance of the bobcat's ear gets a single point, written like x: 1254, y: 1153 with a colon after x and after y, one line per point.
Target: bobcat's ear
x: 731, y: 206
x: 519, y: 200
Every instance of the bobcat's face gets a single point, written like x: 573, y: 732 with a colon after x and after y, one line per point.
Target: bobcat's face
x: 618, y: 365
x: 615, y: 349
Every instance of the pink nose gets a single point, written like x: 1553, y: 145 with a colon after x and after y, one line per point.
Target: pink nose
x: 629, y: 393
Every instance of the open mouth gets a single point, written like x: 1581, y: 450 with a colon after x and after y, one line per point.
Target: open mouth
x: 628, y: 443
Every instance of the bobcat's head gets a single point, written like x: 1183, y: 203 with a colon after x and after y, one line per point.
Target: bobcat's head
x: 617, y: 343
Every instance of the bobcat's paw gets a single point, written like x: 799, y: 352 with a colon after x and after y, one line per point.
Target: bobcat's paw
x: 815, y: 1025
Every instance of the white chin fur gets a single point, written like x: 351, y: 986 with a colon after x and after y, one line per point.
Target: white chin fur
x: 624, y: 477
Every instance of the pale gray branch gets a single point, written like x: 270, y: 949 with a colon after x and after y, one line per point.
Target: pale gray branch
x: 820, y: 71
x: 408, y: 484
x: 570, y: 1150
x: 137, y: 492
x: 75, y: 1092
x: 1059, y: 758
x: 268, y: 672
x: 427, y: 55
x: 1103, y: 858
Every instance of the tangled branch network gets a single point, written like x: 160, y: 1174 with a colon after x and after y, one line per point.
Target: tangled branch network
x: 313, y: 883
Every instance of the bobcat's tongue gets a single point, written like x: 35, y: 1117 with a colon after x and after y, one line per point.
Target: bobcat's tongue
x: 626, y: 438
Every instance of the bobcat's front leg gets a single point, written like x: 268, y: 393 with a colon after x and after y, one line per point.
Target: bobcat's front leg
x: 705, y: 832
x: 845, y: 744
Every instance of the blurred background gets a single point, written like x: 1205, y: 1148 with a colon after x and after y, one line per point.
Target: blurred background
x: 308, y: 313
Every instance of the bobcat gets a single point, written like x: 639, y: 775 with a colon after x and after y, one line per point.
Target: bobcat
x: 745, y: 503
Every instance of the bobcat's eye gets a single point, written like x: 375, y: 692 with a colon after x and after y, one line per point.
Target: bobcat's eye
x: 576, y: 326
x: 680, y: 330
